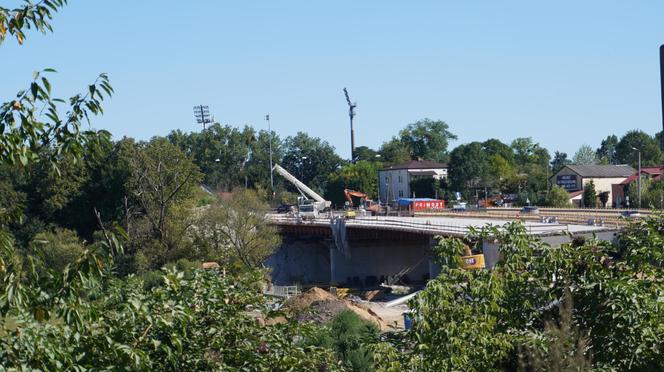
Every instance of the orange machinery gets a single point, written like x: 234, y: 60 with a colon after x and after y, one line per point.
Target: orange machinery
x: 369, y: 205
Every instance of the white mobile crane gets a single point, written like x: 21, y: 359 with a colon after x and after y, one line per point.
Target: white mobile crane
x: 310, y: 204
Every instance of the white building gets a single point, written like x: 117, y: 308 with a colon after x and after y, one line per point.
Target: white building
x: 573, y: 178
x: 394, y: 181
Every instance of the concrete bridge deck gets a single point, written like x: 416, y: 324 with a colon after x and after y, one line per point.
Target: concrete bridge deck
x: 438, y: 225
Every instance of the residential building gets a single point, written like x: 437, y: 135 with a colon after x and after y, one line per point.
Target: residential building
x: 573, y: 178
x: 619, y: 190
x: 394, y: 181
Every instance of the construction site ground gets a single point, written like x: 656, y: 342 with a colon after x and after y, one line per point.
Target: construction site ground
x: 321, y: 306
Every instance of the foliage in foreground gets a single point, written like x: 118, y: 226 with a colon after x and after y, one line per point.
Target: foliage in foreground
x: 88, y: 320
x: 482, y: 320
x: 350, y: 337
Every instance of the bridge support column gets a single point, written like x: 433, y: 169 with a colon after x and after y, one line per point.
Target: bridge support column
x: 491, y: 252
x: 337, y: 263
x: 434, y: 268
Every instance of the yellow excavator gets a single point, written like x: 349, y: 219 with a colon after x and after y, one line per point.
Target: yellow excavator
x: 470, y: 261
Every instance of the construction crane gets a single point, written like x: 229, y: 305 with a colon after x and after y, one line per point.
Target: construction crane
x: 309, y: 207
x: 369, y: 205
x: 351, y: 114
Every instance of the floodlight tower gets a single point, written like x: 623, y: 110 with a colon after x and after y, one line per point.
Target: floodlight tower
x: 202, y: 114
x: 351, y: 114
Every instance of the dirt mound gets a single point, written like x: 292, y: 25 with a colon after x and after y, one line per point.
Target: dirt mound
x: 321, y: 306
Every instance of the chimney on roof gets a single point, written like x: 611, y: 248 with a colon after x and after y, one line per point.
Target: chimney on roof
x: 419, y: 158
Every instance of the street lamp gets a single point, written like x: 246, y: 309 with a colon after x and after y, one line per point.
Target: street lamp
x: 302, y: 167
x: 269, y: 131
x: 639, y: 179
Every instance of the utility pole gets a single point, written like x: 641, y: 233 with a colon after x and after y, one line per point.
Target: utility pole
x: 351, y: 114
x: 269, y: 131
x: 639, y: 179
x: 202, y: 114
x: 661, y: 76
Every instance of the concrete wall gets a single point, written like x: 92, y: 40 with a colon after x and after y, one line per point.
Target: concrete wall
x: 380, y: 259
x: 604, y: 184
x: 301, y: 261
x: 316, y: 260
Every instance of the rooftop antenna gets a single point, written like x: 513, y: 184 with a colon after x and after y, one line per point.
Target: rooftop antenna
x: 202, y: 114
x: 351, y: 114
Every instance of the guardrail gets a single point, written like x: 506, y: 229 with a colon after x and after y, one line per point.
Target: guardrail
x: 420, y: 225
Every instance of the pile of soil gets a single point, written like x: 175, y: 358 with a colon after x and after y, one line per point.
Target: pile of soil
x: 321, y: 306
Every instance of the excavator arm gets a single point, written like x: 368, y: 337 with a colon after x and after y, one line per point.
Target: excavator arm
x: 349, y: 193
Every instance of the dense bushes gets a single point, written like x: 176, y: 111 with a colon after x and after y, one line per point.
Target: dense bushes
x: 480, y: 320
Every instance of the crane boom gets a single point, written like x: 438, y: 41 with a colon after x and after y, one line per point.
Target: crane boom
x: 300, y: 186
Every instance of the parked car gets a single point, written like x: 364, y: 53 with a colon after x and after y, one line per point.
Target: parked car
x: 631, y: 214
x: 285, y: 208
x: 530, y: 209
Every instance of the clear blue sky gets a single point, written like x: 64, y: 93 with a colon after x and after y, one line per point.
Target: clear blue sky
x: 565, y: 73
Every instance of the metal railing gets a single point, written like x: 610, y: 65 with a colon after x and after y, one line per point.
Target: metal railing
x: 421, y: 225
x: 282, y: 291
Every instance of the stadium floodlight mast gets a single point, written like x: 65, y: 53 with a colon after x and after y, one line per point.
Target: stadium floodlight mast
x: 351, y: 115
x: 202, y: 114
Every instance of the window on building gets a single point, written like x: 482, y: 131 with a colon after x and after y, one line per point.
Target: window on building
x: 399, y: 178
x: 400, y: 192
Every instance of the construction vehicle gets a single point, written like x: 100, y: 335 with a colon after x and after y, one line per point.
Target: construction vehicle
x: 365, y: 203
x: 310, y: 204
x: 470, y: 261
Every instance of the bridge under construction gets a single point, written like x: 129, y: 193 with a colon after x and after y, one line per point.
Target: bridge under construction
x: 366, y: 251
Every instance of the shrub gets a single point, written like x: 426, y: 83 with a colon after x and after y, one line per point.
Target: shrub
x: 56, y: 249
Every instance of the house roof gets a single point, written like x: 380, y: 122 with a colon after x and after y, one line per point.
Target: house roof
x: 654, y: 172
x: 574, y: 194
x: 602, y: 171
x: 417, y: 164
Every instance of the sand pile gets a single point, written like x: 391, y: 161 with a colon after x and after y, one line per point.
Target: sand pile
x: 321, y: 306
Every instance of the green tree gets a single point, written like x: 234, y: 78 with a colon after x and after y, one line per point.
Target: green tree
x: 237, y: 230
x: 394, y: 152
x: 499, y: 171
x: 365, y: 153
x: 527, y: 152
x: 427, y: 139
x: 651, y: 153
x: 488, y: 316
x: 652, y: 193
x: 56, y: 249
x: 606, y: 153
x: 30, y: 15
x: 350, y: 336
x: 496, y: 147
x: 258, y: 166
x: 361, y: 176
x: 310, y: 159
x: 585, y: 155
x: 222, y: 153
x: 559, y: 161
x: 162, y: 177
x: 589, y: 195
x: 558, y: 197
x: 468, y: 166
